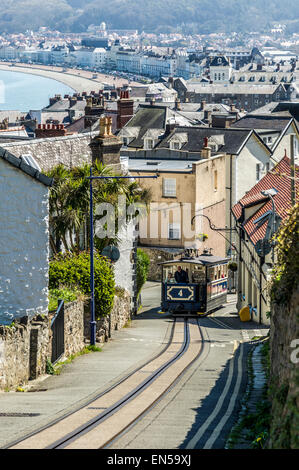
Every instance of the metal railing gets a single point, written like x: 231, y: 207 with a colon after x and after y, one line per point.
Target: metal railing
x: 57, y: 327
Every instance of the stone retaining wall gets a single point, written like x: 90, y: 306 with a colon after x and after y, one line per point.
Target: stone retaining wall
x: 158, y: 255
x: 26, y: 345
x: 119, y: 316
x: 24, y: 348
x: 73, y: 327
x: 284, y: 374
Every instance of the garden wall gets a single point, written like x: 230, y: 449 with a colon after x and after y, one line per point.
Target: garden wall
x: 284, y: 374
x: 26, y: 345
x: 24, y: 348
x: 119, y: 316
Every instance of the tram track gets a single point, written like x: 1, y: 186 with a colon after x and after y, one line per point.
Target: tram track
x: 101, y: 420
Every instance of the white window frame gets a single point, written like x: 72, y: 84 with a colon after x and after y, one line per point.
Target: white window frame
x: 258, y: 171
x: 174, y: 231
x: 175, y: 145
x: 149, y: 144
x: 169, y: 187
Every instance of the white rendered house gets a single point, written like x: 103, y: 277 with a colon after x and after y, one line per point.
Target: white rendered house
x: 24, y: 238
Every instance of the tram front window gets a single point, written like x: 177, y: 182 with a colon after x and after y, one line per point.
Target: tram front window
x: 181, y: 276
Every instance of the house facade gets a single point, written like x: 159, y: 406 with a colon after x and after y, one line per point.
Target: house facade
x: 258, y: 215
x: 24, y: 239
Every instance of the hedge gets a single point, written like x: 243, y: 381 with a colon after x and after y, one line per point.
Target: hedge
x: 73, y: 271
x: 143, y: 262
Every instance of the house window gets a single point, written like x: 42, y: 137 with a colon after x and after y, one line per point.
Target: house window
x: 149, y: 144
x: 175, y: 145
x: 125, y: 141
x: 174, y: 231
x: 267, y: 167
x: 169, y: 187
x: 258, y: 171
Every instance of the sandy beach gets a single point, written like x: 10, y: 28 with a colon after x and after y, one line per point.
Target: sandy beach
x: 78, y: 80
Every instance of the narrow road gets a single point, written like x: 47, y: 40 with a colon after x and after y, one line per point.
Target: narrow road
x: 127, y: 401
x: 160, y: 384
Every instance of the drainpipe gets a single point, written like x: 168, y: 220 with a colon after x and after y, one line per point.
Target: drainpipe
x: 293, y: 191
x: 260, y: 296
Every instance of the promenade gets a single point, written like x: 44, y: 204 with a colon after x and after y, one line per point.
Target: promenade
x: 78, y: 80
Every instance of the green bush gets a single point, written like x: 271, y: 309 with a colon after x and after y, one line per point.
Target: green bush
x: 143, y: 262
x: 73, y: 271
x: 66, y: 294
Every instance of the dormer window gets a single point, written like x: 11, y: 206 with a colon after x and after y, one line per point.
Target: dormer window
x: 174, y: 145
x: 219, y: 60
x: 148, y: 144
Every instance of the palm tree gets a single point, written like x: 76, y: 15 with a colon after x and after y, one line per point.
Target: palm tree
x: 70, y: 198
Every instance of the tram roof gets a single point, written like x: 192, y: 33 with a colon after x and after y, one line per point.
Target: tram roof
x: 203, y: 260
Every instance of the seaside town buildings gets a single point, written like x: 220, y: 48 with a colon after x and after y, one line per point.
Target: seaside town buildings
x: 211, y: 122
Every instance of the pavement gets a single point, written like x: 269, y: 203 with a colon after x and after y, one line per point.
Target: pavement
x: 51, y: 397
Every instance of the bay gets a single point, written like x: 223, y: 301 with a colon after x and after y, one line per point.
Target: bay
x: 22, y: 92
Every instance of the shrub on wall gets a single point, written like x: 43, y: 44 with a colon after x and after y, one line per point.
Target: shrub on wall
x: 73, y: 271
x: 143, y: 262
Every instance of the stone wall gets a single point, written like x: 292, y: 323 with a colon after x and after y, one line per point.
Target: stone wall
x: 119, y: 316
x: 284, y: 374
x: 73, y: 327
x: 26, y: 345
x: 24, y: 349
x: 158, y: 255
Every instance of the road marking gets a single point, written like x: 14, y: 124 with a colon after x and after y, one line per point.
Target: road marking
x: 217, y: 430
x: 200, y: 432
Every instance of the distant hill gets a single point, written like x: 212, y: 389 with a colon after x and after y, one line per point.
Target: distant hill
x: 187, y: 16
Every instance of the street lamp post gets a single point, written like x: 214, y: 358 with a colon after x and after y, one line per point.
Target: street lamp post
x: 93, y: 324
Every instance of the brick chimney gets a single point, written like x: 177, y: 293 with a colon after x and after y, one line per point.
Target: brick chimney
x: 93, y: 110
x: 125, y: 109
x: 54, y: 99
x: 72, y: 100
x: 44, y: 131
x: 206, y: 151
x: 106, y: 147
x: 177, y: 106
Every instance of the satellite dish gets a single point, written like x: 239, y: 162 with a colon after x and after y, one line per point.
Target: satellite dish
x: 263, y: 247
x: 111, y: 252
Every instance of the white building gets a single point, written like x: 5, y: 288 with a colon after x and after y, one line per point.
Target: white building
x: 99, y: 57
x: 220, y: 69
x: 24, y: 238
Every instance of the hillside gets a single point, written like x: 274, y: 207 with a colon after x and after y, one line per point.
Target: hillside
x: 190, y: 16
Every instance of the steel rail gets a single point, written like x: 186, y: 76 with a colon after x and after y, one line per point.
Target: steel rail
x: 100, y: 395
x: 74, y: 435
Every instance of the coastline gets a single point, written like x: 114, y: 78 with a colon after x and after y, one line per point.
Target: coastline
x: 78, y: 80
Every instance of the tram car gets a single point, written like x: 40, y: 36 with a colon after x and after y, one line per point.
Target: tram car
x: 199, y: 288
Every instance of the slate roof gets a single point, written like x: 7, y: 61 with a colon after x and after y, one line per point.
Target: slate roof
x: 152, y: 117
x: 234, y: 139
x: 215, y: 62
x: 27, y: 169
x: 231, y: 88
x: 278, y: 178
x: 266, y: 121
